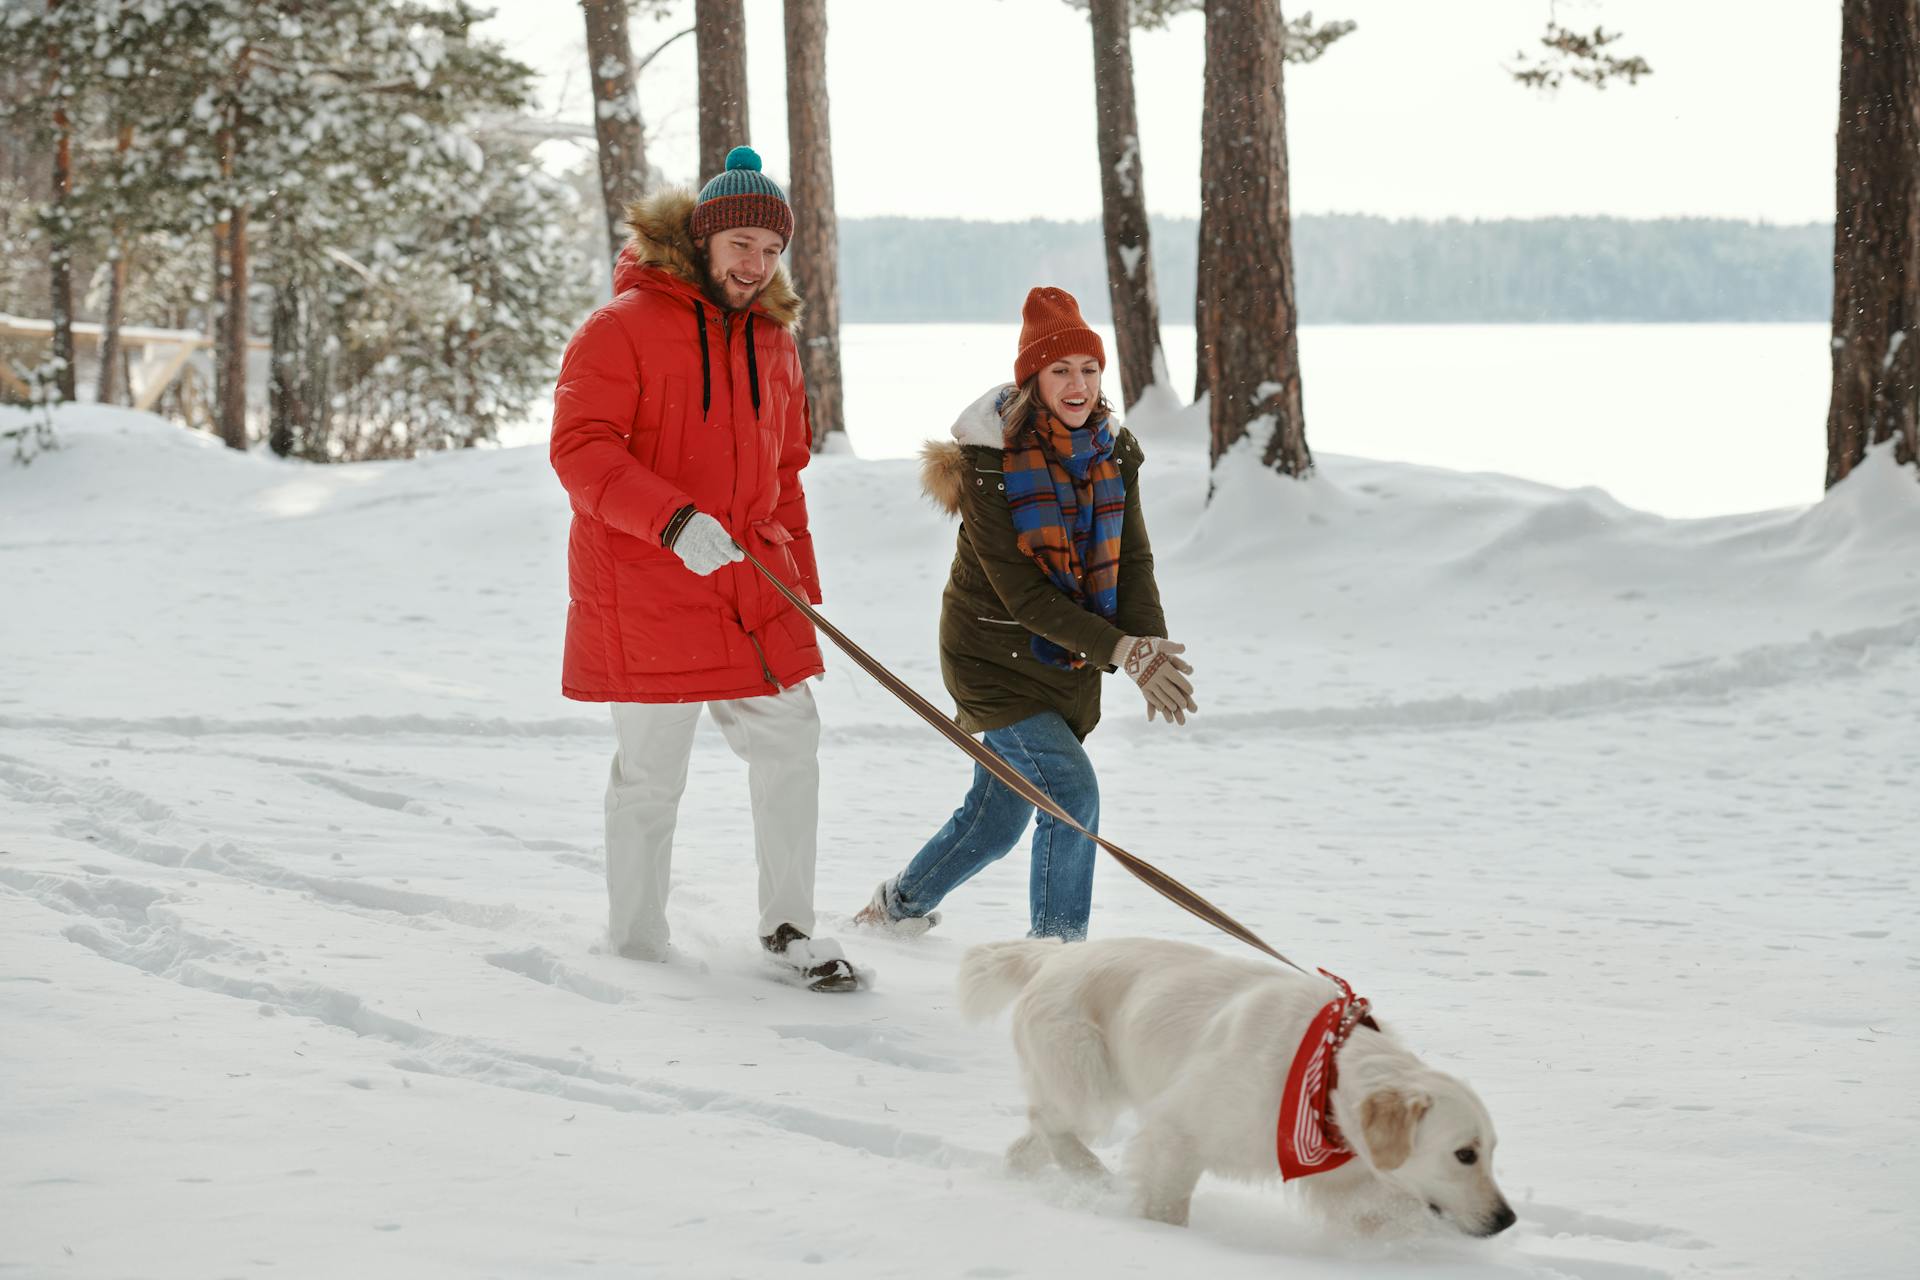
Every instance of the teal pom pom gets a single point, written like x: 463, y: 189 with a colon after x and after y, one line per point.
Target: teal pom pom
x: 743, y: 158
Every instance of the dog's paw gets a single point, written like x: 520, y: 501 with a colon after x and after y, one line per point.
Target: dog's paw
x: 1173, y: 1213
x: 1028, y: 1157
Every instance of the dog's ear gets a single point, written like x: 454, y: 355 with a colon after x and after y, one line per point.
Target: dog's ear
x: 1387, y: 1121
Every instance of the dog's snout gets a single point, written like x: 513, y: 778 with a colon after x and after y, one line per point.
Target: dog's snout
x: 1502, y: 1218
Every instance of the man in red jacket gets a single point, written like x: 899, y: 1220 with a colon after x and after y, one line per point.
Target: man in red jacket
x: 680, y: 427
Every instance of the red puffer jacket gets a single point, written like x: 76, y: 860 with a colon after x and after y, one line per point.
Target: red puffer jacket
x: 663, y: 400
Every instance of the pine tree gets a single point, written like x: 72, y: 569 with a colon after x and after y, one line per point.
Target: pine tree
x: 1300, y: 41
x: 123, y: 55
x: 94, y: 59
x: 616, y: 114
x: 241, y: 98
x: 1876, y: 238
x: 399, y: 99
x: 59, y: 218
x: 38, y: 49
x: 453, y: 321
x: 321, y: 130
x: 1123, y: 202
x: 1250, y: 354
x: 720, y: 34
x: 816, y: 234
x: 112, y: 386
x: 1585, y: 57
x: 304, y: 141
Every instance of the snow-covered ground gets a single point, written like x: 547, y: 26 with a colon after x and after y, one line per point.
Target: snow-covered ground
x: 300, y: 884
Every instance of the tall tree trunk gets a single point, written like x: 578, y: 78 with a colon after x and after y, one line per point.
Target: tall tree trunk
x: 287, y: 428
x: 60, y: 227
x: 1876, y: 237
x: 113, y: 387
x: 233, y: 354
x: 317, y: 376
x: 616, y: 115
x: 1206, y: 315
x: 720, y: 34
x: 1249, y: 347
x: 816, y: 227
x: 217, y: 314
x: 1123, y: 203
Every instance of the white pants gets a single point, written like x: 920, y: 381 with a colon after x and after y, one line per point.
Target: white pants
x: 779, y: 737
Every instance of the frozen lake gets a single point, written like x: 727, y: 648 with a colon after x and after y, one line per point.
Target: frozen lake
x: 1682, y: 420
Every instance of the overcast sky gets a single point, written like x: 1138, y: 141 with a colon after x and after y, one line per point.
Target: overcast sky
x: 984, y: 108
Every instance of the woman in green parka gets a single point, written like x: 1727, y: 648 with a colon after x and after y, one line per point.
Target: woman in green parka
x: 1052, y: 586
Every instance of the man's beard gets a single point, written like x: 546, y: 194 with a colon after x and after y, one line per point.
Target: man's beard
x: 716, y: 288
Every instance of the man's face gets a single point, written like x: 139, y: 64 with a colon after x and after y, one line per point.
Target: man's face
x: 740, y: 264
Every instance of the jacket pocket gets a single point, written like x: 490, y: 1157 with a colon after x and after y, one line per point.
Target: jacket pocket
x: 778, y: 552
x: 660, y: 430
x: 773, y: 531
x: 663, y: 637
x: 775, y: 550
x: 672, y: 642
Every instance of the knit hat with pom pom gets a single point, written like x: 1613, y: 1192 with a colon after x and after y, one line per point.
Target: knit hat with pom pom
x: 742, y: 196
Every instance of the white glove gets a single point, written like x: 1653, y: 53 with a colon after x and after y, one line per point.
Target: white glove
x: 1151, y: 663
x: 704, y: 545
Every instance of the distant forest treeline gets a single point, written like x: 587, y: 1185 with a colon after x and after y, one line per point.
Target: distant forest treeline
x: 1359, y: 269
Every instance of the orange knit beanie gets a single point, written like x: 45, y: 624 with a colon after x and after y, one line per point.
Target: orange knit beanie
x: 1051, y: 327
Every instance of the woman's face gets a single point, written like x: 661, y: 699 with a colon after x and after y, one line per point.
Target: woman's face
x: 1070, y: 388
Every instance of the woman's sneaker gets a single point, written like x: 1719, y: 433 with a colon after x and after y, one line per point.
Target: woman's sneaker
x: 876, y: 916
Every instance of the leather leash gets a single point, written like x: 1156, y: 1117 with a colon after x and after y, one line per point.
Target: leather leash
x: 990, y: 760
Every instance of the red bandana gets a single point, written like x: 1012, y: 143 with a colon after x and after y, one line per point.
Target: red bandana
x: 1310, y: 1142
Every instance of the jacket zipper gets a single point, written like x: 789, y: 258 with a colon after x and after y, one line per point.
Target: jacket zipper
x: 726, y: 329
x: 765, y: 670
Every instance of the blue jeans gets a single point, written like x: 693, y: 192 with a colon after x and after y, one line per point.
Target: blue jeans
x: 992, y: 819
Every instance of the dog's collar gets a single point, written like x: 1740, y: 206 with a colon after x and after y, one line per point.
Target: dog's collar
x: 1358, y: 1013
x: 1309, y: 1140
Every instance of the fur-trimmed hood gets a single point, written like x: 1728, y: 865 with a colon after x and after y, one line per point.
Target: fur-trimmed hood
x: 943, y: 463
x: 660, y: 239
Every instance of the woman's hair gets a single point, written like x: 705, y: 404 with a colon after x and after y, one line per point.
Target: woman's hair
x: 1017, y: 413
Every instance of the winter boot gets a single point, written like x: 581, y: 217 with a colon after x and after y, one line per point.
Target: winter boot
x: 878, y: 916
x: 817, y: 963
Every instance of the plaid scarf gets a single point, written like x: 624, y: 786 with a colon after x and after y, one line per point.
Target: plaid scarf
x: 1068, y: 500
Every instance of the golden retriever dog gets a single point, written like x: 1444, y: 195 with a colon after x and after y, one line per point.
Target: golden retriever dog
x: 1200, y: 1046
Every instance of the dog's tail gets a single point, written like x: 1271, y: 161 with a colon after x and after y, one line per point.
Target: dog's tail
x: 993, y: 974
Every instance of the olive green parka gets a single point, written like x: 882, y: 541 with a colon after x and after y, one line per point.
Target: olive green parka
x: 997, y: 597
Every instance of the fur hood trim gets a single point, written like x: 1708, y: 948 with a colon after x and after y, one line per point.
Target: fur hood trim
x: 661, y: 239
x: 943, y: 463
